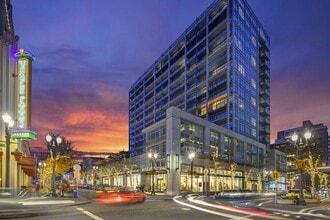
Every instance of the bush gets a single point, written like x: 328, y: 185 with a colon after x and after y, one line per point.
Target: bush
x: 68, y: 190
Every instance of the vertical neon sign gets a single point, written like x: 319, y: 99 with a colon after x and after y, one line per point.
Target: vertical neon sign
x: 24, y: 88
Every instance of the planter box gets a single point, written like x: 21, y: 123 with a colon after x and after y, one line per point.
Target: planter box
x: 312, y: 201
x: 69, y: 195
x: 285, y: 201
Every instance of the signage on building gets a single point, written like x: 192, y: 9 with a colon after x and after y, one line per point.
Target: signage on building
x: 24, y: 88
x: 23, y: 134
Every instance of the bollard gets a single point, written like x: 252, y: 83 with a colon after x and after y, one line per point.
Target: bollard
x: 75, y: 193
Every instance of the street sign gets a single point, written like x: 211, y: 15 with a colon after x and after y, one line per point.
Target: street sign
x: 275, y: 175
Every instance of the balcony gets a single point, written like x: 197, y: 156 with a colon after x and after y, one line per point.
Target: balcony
x: 264, y: 121
x: 264, y: 66
x: 264, y: 94
x: 264, y: 84
x: 264, y: 112
x: 214, y: 85
x: 264, y: 103
x: 221, y: 59
x: 222, y: 45
x: 264, y: 74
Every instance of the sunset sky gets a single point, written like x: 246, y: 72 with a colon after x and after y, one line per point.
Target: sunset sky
x: 89, y: 53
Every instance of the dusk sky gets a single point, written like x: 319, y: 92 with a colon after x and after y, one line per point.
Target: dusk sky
x: 89, y: 53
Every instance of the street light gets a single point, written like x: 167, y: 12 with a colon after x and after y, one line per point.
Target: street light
x: 94, y: 172
x: 268, y: 174
x: 191, y: 157
x: 53, y: 142
x: 9, y: 123
x: 41, y: 167
x: 300, y: 162
x: 153, y: 157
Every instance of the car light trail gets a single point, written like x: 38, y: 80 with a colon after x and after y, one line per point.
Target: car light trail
x: 232, y: 209
x: 175, y: 199
x: 47, y: 202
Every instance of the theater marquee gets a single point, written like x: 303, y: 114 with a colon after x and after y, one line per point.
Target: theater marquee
x: 24, y: 89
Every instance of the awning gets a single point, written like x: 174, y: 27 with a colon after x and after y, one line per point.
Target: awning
x: 28, y: 165
x: 324, y: 169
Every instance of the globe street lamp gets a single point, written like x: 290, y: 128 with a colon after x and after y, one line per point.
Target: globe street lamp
x: 94, y: 172
x: 53, y: 142
x: 191, y: 157
x: 41, y: 167
x: 9, y: 123
x: 268, y: 174
x: 300, y: 163
x: 153, y: 157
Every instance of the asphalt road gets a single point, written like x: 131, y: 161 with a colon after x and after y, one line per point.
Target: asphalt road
x: 163, y: 208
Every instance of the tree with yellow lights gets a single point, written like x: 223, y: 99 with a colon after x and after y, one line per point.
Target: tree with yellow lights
x: 232, y: 171
x: 311, y: 168
x: 60, y: 157
x: 323, y: 177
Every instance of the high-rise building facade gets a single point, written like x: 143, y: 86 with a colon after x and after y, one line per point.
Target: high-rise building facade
x: 218, y: 69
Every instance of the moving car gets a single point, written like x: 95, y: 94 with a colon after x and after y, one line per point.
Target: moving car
x: 119, y: 195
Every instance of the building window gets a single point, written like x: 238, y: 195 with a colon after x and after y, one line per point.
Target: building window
x: 254, y: 132
x: 253, y: 39
x: 240, y: 103
x: 253, y: 101
x: 241, y: 69
x: 239, y: 151
x: 241, y: 12
x: 253, y: 83
x: 191, y: 138
x: 253, y: 121
x: 253, y: 61
x: 214, y: 144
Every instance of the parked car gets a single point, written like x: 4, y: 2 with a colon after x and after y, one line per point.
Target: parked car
x: 296, y: 193
x: 120, y: 195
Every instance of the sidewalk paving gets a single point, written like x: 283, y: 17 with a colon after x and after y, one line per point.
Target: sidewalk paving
x: 29, y: 205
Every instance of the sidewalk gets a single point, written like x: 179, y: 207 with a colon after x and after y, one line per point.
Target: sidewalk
x: 30, y: 205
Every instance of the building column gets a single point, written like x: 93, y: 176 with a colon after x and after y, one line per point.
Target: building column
x: 173, y: 150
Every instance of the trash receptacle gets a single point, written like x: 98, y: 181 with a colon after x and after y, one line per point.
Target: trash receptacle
x: 75, y: 193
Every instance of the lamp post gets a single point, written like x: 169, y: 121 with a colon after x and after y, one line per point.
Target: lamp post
x: 53, y: 142
x: 9, y: 123
x: 95, y: 170
x: 268, y: 174
x: 300, y: 163
x: 152, y: 157
x: 191, y: 157
x: 41, y: 168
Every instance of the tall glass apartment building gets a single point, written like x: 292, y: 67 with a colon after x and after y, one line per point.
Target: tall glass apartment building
x: 218, y: 69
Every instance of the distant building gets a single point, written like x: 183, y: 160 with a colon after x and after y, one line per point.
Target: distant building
x: 318, y: 145
x: 223, y: 159
x: 275, y: 161
x: 218, y: 69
